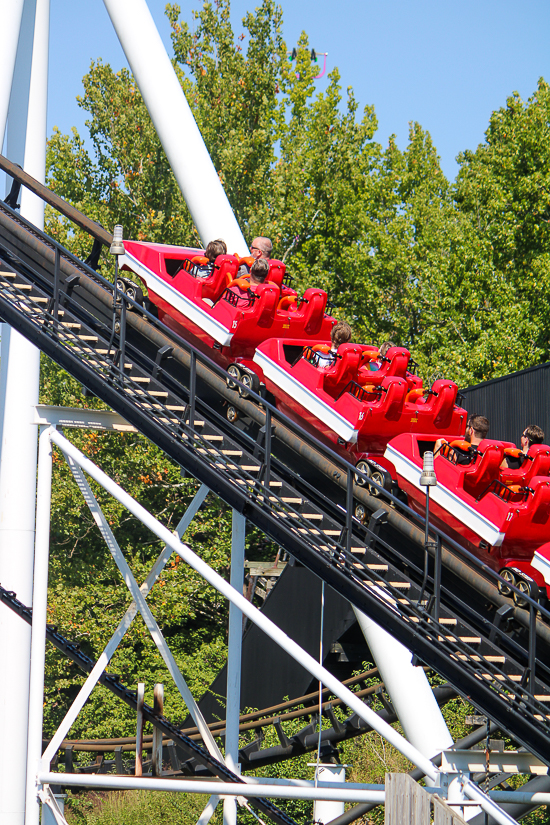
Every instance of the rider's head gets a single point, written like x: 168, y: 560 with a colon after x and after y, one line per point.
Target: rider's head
x: 259, y: 271
x: 214, y: 249
x: 340, y: 334
x: 261, y: 248
x: 476, y: 429
x: 533, y: 435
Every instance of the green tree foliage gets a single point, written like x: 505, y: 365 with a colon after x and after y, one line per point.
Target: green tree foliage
x: 459, y: 273
x: 433, y: 287
x: 504, y: 188
x: 234, y: 96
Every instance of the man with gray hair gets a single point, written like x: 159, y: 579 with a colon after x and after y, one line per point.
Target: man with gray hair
x: 260, y: 248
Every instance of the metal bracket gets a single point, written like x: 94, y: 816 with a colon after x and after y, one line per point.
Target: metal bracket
x: 379, y: 692
x: 253, y: 746
x: 336, y: 724
x: 13, y: 196
x: 378, y: 519
x: 503, y: 614
x: 301, y: 736
x: 281, y: 735
x: 93, y: 258
x: 163, y: 353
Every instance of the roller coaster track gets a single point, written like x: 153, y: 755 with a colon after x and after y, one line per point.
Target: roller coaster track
x: 303, y: 498
x: 254, y: 755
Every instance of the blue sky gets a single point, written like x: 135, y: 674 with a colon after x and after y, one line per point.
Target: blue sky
x: 446, y: 65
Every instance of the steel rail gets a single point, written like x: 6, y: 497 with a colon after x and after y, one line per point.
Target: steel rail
x: 257, y: 718
x: 253, y: 755
x: 91, y: 227
x: 410, y: 624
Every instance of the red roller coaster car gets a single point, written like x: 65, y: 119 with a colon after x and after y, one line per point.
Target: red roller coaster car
x: 351, y: 404
x: 502, y: 516
x: 215, y: 313
x: 273, y: 336
x: 370, y: 409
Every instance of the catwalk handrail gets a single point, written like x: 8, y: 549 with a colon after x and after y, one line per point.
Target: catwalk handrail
x: 91, y: 227
x: 341, y: 575
x: 270, y: 411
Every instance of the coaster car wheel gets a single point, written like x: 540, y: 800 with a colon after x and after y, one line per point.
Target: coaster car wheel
x: 233, y: 375
x: 382, y: 478
x: 364, y: 468
x: 250, y: 382
x: 509, y: 578
x: 524, y: 587
x: 232, y: 414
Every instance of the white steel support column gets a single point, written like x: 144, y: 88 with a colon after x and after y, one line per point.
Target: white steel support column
x: 409, y: 689
x: 175, y: 124
x: 238, y: 529
x: 39, y: 619
x: 19, y: 99
x: 32, y: 207
x: 11, y: 12
x: 19, y: 376
x: 325, y: 811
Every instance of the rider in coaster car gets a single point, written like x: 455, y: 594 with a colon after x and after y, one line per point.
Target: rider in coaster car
x: 261, y: 250
x: 325, y: 356
x: 258, y: 274
x: 513, y: 459
x: 477, y: 428
x: 382, y: 352
x: 205, y: 263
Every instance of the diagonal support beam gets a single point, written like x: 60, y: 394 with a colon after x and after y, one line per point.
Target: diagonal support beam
x: 308, y: 662
x: 126, y: 621
x: 209, y: 809
x: 223, y: 587
x: 47, y: 798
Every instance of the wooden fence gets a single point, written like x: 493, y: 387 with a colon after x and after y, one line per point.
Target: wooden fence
x: 407, y: 803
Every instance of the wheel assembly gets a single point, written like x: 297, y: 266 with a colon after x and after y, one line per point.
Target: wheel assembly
x: 509, y: 577
x: 232, y: 414
x: 364, y: 468
x: 250, y: 382
x: 131, y: 290
x: 233, y: 375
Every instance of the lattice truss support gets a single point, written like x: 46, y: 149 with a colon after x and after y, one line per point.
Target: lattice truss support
x: 39, y: 775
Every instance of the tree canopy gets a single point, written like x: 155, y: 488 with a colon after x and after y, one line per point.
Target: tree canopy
x: 458, y: 272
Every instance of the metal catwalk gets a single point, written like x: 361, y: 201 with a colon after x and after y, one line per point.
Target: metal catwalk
x: 283, y: 481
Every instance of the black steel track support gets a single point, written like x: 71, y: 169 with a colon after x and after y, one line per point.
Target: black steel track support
x: 517, y: 712
x: 507, y: 714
